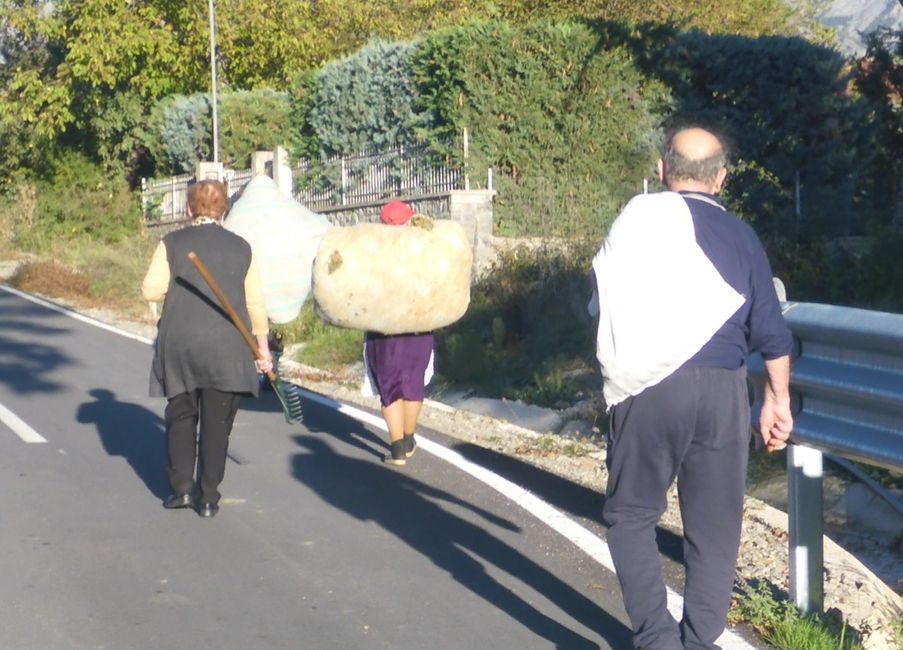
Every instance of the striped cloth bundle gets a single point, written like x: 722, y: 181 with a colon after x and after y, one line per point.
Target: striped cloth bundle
x: 284, y: 237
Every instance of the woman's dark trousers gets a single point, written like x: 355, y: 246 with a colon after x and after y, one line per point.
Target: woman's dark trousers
x: 188, y: 445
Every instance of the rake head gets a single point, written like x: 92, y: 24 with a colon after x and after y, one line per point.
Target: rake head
x: 290, y: 399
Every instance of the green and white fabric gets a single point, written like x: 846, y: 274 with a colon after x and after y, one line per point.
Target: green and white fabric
x: 284, y: 236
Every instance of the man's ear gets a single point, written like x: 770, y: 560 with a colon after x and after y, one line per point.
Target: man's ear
x: 719, y: 180
x: 661, y: 170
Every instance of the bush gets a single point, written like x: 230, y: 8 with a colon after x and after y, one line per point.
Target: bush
x: 527, y: 334
x: 252, y: 121
x: 785, y: 104
x: 180, y: 129
x: 179, y: 133
x: 559, y: 111
x: 76, y: 200
x: 362, y: 102
x: 18, y: 214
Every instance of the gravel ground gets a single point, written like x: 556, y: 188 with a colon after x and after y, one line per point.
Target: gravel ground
x: 865, y: 601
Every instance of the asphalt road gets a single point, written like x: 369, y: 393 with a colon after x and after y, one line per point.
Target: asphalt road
x: 318, y: 543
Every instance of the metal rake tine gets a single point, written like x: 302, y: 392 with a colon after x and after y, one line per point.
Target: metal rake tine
x: 291, y: 401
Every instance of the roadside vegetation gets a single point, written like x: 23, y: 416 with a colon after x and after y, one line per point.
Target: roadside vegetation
x: 783, y: 626
x: 566, y: 101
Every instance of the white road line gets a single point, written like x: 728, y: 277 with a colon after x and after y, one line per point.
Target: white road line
x: 19, y: 427
x: 581, y: 537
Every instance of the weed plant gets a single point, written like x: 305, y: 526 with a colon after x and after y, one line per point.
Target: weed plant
x: 784, y: 627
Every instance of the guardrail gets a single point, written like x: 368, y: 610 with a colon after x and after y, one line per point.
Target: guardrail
x: 847, y: 395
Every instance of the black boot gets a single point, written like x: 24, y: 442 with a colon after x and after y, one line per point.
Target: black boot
x: 410, y: 445
x: 398, y: 455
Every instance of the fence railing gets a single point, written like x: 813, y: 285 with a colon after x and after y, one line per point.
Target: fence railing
x: 847, y: 392
x: 370, y: 177
x: 164, y: 199
x: 348, y: 181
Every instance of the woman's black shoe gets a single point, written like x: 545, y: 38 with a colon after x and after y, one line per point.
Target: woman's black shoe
x: 397, y: 455
x: 208, y: 509
x: 410, y: 445
x: 174, y: 501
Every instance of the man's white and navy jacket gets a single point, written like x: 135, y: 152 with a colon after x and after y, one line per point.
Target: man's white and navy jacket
x: 681, y: 283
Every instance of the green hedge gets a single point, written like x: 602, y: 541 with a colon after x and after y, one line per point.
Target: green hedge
x: 179, y: 131
x: 559, y: 111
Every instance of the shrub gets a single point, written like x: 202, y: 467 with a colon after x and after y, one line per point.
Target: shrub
x: 252, y: 121
x: 785, y: 105
x: 527, y: 334
x: 180, y: 129
x: 560, y: 111
x: 18, y: 214
x: 78, y: 199
x: 364, y: 101
x: 179, y: 133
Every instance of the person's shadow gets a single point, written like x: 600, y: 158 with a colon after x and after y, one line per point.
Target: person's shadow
x: 415, y: 515
x: 130, y: 431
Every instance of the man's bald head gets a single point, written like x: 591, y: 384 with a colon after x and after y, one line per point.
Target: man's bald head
x: 694, y: 159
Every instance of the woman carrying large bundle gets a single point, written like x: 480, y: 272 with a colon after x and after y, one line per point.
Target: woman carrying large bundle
x: 397, y: 366
x: 399, y: 281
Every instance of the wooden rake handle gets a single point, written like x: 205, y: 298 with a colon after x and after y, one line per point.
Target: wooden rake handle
x: 233, y: 315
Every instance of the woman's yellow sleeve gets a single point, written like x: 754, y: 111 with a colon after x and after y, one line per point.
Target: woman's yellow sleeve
x: 156, y: 281
x: 260, y: 324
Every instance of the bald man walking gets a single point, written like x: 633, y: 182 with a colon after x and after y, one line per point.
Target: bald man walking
x: 685, y: 295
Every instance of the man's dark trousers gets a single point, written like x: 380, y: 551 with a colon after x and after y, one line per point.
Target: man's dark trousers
x: 694, y: 425
x: 184, y: 447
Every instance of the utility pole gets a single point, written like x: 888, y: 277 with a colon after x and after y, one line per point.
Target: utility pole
x: 212, y: 14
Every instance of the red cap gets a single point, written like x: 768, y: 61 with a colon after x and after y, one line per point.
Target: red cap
x: 396, y: 213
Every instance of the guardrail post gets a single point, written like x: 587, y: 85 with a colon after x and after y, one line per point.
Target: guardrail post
x: 805, y: 509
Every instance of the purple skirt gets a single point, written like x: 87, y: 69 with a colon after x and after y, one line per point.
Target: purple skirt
x: 397, y: 365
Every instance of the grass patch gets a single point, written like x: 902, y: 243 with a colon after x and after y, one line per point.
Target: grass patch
x: 91, y: 274
x: 780, y: 623
x: 324, y: 346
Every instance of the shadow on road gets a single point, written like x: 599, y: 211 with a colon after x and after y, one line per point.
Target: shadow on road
x: 416, y: 516
x: 567, y: 496
x: 130, y: 431
x: 25, y: 366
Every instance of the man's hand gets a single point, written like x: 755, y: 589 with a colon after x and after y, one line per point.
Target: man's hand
x: 775, y: 419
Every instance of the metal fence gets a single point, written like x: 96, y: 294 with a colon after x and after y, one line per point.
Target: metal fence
x: 164, y: 199
x: 847, y: 392
x: 375, y: 176
x: 347, y: 181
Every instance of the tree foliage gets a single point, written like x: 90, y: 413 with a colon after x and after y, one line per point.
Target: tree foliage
x: 179, y: 130
x: 879, y: 78
x: 558, y: 109
x: 785, y: 105
x: 364, y: 101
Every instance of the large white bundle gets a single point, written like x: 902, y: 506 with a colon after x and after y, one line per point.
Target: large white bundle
x: 284, y: 236
x: 394, y: 279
